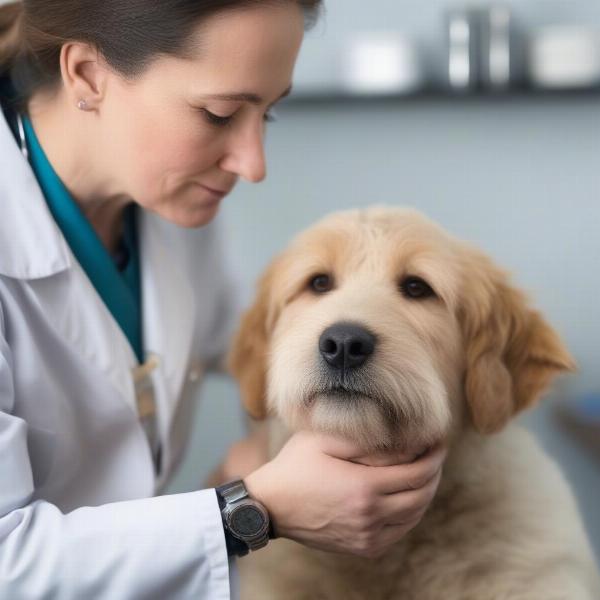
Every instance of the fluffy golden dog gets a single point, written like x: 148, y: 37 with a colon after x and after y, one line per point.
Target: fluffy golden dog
x: 438, y: 345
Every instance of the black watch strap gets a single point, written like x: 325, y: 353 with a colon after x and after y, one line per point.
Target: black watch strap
x: 235, y: 546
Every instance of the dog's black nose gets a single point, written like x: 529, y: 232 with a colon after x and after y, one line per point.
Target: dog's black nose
x: 346, y: 346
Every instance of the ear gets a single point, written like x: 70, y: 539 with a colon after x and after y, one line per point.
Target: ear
x: 512, y: 353
x: 247, y: 360
x: 84, y: 74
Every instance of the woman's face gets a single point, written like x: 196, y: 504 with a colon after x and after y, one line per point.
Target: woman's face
x: 188, y: 126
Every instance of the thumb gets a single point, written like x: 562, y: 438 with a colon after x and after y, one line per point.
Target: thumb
x: 338, y: 447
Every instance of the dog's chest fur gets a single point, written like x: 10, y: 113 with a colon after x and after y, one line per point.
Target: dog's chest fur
x: 502, y: 515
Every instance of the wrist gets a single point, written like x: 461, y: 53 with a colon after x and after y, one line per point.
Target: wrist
x: 257, y: 484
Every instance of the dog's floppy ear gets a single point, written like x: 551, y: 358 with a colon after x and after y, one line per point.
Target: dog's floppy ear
x: 247, y: 360
x: 512, y: 353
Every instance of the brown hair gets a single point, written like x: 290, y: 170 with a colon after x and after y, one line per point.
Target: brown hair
x: 128, y: 33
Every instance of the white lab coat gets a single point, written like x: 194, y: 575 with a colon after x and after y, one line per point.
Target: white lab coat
x: 79, y: 515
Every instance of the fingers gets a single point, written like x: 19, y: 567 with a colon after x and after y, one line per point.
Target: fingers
x: 409, y: 506
x: 337, y: 447
x: 378, y: 544
x: 413, y: 476
x: 399, y: 514
x: 388, y: 459
x: 394, y: 533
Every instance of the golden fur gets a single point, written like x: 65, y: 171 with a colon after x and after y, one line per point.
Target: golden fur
x: 455, y: 367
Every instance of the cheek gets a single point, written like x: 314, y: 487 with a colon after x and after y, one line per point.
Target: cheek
x: 435, y: 333
x: 293, y: 354
x: 160, y: 154
x: 445, y: 347
x: 166, y: 160
x: 294, y: 342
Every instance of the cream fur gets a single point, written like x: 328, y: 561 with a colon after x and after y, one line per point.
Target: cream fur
x: 456, y: 367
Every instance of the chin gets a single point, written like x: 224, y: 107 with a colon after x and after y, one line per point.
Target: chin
x: 190, y: 218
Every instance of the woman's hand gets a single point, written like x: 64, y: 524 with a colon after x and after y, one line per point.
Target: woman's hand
x: 320, y: 492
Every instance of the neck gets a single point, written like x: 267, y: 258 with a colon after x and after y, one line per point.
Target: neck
x: 74, y: 156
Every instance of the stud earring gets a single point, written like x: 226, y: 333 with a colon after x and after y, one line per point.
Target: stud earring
x: 82, y: 105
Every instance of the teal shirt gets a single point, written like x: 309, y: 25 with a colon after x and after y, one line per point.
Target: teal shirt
x: 119, y: 289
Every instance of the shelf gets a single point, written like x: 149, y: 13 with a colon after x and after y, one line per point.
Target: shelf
x: 441, y: 95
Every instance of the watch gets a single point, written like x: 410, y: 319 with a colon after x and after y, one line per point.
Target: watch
x: 245, y: 521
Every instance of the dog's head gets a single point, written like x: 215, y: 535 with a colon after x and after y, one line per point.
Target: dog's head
x: 379, y: 326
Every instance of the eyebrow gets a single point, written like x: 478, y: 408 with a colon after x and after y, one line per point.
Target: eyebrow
x: 244, y: 97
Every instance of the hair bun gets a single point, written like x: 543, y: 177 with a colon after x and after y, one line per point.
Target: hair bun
x: 11, y: 37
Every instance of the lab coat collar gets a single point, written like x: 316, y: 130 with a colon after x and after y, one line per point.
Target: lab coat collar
x: 26, y: 225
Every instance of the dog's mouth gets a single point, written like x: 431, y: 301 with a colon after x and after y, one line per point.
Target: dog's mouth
x: 364, y: 415
x: 352, y: 395
x: 342, y: 393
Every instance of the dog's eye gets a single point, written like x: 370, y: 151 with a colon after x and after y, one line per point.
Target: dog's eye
x: 415, y: 287
x: 321, y: 284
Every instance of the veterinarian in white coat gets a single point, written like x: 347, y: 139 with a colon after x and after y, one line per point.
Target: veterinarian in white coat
x: 70, y: 435
x: 95, y: 400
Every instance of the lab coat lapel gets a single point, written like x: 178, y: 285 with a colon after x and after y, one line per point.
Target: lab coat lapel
x: 79, y: 315
x: 31, y: 245
x: 33, y: 249
x: 168, y: 318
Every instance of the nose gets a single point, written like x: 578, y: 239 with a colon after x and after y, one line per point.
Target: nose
x: 346, y: 345
x: 246, y: 155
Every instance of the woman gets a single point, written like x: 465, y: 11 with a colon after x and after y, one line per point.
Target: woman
x: 125, y: 124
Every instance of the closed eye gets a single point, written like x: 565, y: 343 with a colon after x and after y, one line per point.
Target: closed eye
x: 214, y: 119
x: 222, y: 121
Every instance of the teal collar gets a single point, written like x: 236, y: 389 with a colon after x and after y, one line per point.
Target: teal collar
x: 120, y: 290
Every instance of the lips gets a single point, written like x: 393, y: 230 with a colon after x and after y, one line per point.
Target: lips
x: 350, y: 395
x: 215, y: 191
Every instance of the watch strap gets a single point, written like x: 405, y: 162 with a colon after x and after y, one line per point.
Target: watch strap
x: 235, y: 546
x: 233, y: 492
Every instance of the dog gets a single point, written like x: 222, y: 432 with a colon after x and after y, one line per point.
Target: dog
x: 443, y: 348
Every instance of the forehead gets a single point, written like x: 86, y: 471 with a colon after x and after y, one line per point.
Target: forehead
x: 380, y: 245
x: 253, y: 45
x: 235, y: 51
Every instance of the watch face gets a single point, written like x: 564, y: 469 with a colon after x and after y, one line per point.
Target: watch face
x: 247, y: 521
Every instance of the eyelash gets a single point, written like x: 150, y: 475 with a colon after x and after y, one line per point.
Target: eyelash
x: 218, y: 121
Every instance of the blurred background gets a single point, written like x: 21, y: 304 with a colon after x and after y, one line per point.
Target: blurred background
x: 485, y: 117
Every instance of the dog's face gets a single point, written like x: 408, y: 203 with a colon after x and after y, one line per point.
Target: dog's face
x: 378, y: 326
